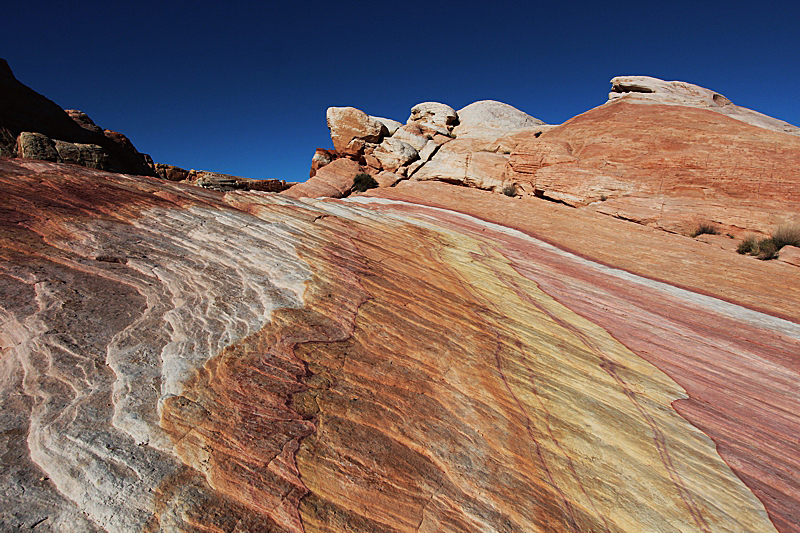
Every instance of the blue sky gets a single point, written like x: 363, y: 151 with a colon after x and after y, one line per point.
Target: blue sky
x: 242, y: 88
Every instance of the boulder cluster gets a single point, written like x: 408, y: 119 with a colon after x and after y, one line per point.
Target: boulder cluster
x: 468, y: 147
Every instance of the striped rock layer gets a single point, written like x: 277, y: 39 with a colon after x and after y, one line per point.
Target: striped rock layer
x: 427, y: 358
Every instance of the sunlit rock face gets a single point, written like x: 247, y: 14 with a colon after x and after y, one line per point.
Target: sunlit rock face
x: 667, y: 166
x: 647, y: 90
x: 178, y: 359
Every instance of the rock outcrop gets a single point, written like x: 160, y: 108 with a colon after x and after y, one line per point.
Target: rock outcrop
x: 225, y: 182
x: 321, y: 158
x: 667, y: 154
x: 182, y: 359
x: 351, y: 129
x: 393, y: 153
x: 171, y: 172
x: 477, y: 158
x: 668, y: 166
x: 32, y: 126
x: 644, y: 89
x: 184, y: 354
x: 488, y: 117
x: 434, y: 117
x: 334, y: 180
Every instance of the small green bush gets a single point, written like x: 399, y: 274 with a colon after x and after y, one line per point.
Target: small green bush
x: 705, y: 228
x: 363, y: 182
x: 510, y: 190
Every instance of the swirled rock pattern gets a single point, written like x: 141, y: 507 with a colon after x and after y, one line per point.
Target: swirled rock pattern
x: 180, y: 359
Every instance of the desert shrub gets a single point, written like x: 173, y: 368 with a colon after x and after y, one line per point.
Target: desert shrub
x: 510, y: 190
x: 787, y: 235
x: 761, y: 248
x: 363, y: 182
x: 705, y: 228
x: 749, y: 245
x: 767, y: 249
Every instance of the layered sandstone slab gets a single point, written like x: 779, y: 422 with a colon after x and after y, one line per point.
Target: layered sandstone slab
x: 669, y: 166
x: 182, y: 359
x: 647, y: 90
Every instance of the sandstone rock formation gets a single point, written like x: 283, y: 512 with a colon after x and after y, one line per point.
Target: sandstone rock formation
x: 489, y: 117
x: 184, y: 354
x: 334, y: 180
x: 686, y: 156
x: 393, y: 153
x: 83, y: 120
x: 24, y: 111
x: 351, y: 128
x: 32, y: 145
x: 420, y: 358
x: 225, y: 182
x: 391, y: 125
x: 477, y: 158
x: 171, y: 172
x: 665, y: 166
x: 321, y: 158
x: 435, y: 117
x: 644, y: 89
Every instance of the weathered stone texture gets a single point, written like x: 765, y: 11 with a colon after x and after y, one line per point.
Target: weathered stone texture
x: 242, y: 360
x: 666, y: 165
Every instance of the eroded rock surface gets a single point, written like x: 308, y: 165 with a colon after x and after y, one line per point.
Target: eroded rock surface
x: 670, y: 166
x: 183, y: 359
x: 334, y: 180
x: 670, y: 155
x: 487, y: 117
x: 434, y: 117
x: 351, y: 128
x: 644, y: 89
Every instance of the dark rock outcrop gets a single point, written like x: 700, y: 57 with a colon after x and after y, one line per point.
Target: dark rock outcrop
x: 171, y: 172
x: 24, y: 110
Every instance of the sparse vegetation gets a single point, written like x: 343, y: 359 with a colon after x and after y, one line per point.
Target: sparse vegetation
x: 768, y: 248
x: 510, y: 190
x: 787, y: 235
x: 363, y: 182
x: 749, y: 245
x: 705, y: 228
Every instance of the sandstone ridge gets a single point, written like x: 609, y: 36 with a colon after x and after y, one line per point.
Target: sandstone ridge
x: 469, y: 146
x: 644, y: 89
x: 687, y: 158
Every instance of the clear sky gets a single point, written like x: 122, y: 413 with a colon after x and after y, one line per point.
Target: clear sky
x: 242, y: 88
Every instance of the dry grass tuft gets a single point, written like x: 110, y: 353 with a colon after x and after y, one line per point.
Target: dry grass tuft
x: 787, y: 235
x: 705, y: 228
